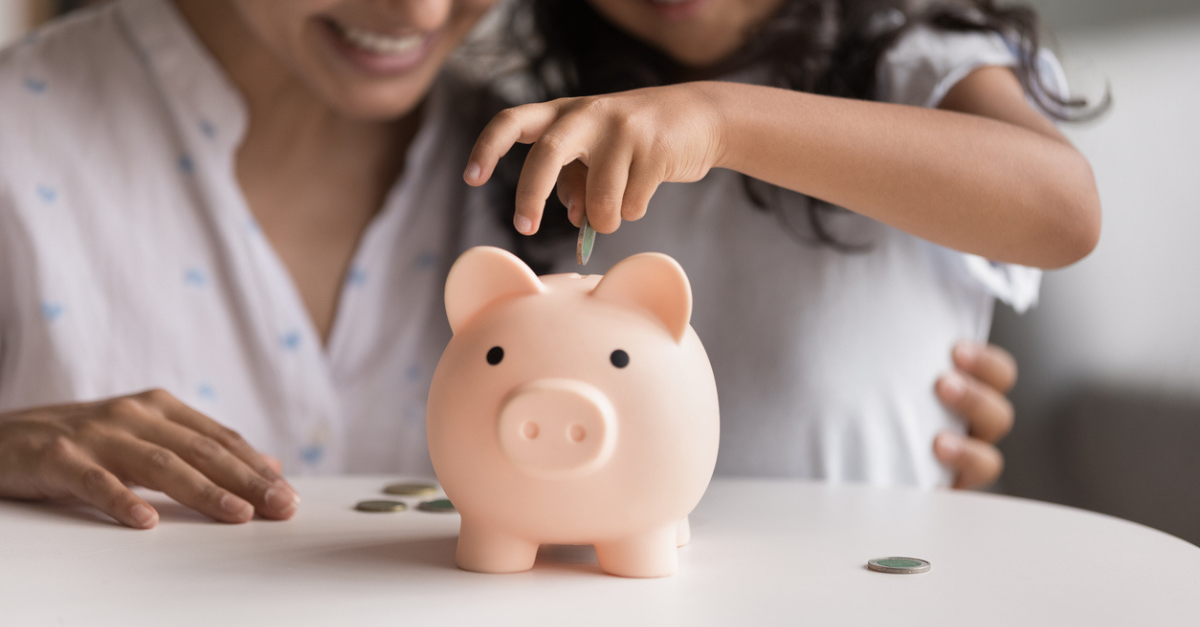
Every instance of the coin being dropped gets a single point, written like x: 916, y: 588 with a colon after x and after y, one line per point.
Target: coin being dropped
x: 380, y: 506
x: 587, y: 239
x: 899, y: 565
x: 436, y: 505
x: 411, y: 489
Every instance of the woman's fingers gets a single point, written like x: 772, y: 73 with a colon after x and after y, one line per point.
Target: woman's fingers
x: 70, y: 471
x: 273, y: 499
x: 178, y: 412
x: 524, y: 124
x: 987, y: 413
x: 160, y: 468
x: 572, y: 190
x: 977, y: 463
x: 988, y: 363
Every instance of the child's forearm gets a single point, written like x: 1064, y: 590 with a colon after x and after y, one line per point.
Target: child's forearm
x: 967, y: 182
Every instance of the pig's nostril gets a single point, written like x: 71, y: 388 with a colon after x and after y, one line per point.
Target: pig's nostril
x: 529, y: 430
x: 577, y: 433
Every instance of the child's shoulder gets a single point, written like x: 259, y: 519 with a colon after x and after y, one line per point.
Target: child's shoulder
x: 925, y: 62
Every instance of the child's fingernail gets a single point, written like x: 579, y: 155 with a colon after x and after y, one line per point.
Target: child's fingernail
x: 949, y: 445
x: 143, y: 516
x: 953, y: 386
x: 473, y: 171
x: 966, y: 353
x: 524, y: 225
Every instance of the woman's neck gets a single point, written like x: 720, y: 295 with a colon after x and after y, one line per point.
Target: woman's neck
x: 289, y: 124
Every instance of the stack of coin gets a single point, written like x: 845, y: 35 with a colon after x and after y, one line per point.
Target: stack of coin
x: 899, y: 565
x: 380, y: 506
x: 436, y: 505
x: 411, y: 489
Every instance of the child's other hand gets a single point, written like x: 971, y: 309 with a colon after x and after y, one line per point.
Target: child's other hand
x: 976, y: 391
x: 607, y: 154
x: 90, y: 450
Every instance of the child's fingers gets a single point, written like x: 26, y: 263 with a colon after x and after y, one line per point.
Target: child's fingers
x: 524, y: 124
x: 608, y: 173
x: 976, y: 463
x: 160, y: 468
x: 989, y: 363
x: 271, y: 499
x: 638, y: 191
x: 561, y: 144
x: 988, y: 413
x: 74, y: 473
x: 572, y: 190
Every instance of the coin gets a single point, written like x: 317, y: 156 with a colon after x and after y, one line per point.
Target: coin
x: 436, y: 505
x: 380, y: 506
x: 899, y: 565
x: 411, y: 489
x: 583, y: 246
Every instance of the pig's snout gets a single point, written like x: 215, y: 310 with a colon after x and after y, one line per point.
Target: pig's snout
x: 555, y: 428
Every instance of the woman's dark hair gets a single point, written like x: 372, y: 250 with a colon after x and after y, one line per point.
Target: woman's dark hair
x: 828, y: 47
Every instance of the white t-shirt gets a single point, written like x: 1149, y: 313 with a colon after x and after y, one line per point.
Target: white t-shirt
x: 129, y: 258
x: 825, y: 361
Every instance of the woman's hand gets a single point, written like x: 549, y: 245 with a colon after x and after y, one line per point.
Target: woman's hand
x: 607, y: 154
x: 90, y: 450
x: 975, y: 391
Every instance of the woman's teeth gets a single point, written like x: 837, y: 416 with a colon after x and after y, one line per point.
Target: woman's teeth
x: 378, y: 43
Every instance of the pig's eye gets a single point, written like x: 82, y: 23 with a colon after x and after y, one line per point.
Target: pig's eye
x: 495, y: 355
x: 619, y: 358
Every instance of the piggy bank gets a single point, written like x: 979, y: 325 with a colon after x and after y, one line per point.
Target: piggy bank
x: 572, y: 409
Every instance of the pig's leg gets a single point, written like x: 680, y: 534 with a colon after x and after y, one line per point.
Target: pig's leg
x: 684, y: 534
x: 650, y: 554
x: 483, y: 549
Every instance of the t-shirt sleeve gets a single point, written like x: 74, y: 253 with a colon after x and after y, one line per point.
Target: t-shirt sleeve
x: 919, y: 70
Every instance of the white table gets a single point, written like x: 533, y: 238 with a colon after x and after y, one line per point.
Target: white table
x: 763, y: 552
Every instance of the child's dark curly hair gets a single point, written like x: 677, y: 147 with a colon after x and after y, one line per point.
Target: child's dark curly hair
x: 828, y: 47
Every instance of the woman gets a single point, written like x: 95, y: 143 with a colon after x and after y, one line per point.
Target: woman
x: 249, y: 203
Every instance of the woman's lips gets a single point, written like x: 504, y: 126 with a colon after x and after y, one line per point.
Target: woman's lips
x: 377, y: 53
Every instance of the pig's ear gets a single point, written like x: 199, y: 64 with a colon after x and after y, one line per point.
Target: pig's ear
x: 652, y: 282
x: 481, y: 276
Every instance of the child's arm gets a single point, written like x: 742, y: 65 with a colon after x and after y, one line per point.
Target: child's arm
x: 986, y: 174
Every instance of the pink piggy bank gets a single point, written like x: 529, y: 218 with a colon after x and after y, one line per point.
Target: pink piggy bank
x: 572, y: 409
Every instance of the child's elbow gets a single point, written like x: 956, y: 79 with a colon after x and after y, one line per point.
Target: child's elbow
x: 1079, y: 214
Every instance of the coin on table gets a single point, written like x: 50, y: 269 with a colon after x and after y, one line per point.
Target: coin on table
x: 587, y: 239
x: 411, y: 489
x: 380, y: 506
x: 899, y: 565
x: 436, y: 505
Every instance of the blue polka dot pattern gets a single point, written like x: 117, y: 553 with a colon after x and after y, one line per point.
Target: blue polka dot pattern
x: 426, y: 261
x: 413, y: 374
x: 186, y: 165
x: 195, y: 277
x: 290, y: 340
x: 35, y: 86
x: 47, y: 194
x: 207, y: 129
x: 52, y: 311
x: 312, y: 454
x: 357, y: 277
x: 207, y: 392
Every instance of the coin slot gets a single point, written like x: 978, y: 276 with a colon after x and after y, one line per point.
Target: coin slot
x: 529, y: 430
x: 577, y: 433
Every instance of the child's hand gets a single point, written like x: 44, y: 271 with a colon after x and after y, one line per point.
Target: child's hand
x: 976, y: 393
x: 608, y: 154
x: 89, y: 450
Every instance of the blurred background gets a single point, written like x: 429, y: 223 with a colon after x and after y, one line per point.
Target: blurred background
x: 1108, y: 404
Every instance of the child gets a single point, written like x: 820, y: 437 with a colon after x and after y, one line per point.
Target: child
x: 824, y: 354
